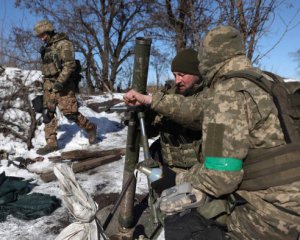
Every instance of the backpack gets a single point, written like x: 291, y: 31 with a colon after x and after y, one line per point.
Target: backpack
x: 264, y: 168
x: 37, y: 104
x: 286, y: 96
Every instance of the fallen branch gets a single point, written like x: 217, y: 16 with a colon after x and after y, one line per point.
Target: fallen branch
x: 83, y: 166
x: 77, y: 155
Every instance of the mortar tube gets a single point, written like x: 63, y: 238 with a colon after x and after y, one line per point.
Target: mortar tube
x: 139, y: 83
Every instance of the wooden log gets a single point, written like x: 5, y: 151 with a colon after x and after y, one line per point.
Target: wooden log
x: 103, y: 106
x: 83, y: 166
x: 55, y: 159
x: 77, y: 155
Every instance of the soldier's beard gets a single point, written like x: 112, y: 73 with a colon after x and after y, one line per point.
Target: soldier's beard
x: 179, y: 89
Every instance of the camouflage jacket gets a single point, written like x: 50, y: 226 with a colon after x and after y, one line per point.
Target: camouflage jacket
x: 245, y: 112
x: 179, y: 145
x: 242, y: 117
x: 58, y: 58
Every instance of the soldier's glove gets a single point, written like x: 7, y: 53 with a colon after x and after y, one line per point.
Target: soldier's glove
x: 37, y: 104
x: 42, y: 51
x: 167, y: 181
x: 58, y: 86
x: 47, y: 115
x: 180, y: 198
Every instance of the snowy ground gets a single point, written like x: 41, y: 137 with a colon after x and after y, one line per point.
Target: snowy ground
x: 105, y: 179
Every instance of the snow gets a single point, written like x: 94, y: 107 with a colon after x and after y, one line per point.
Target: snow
x: 104, y: 179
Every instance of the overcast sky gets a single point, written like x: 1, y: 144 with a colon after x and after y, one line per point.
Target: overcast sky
x: 278, y: 60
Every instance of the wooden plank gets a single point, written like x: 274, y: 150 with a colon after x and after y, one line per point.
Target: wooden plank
x: 83, y: 166
x: 77, y: 155
x: 103, y: 106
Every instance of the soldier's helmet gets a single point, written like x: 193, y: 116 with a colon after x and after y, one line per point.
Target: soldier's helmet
x: 42, y: 27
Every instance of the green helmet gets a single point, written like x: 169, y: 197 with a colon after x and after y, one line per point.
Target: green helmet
x: 42, y: 27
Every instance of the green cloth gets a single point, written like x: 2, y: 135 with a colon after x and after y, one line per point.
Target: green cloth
x: 15, y: 200
x: 223, y: 164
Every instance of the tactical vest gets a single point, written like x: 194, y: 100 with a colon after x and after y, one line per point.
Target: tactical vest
x: 52, y: 64
x: 182, y: 155
x: 180, y: 146
x: 264, y: 168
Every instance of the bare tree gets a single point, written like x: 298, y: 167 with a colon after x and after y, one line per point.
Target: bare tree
x: 160, y: 62
x: 252, y: 17
x: 184, y: 22
x: 21, y: 50
x: 101, y: 30
x: 296, y: 56
x: 181, y: 22
x: 126, y: 74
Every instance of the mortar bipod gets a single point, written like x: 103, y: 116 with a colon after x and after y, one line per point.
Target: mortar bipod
x: 147, y: 157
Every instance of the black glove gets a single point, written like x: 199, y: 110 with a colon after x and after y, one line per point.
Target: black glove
x: 58, y: 86
x: 42, y: 51
x: 47, y: 115
x: 167, y: 181
x: 37, y: 104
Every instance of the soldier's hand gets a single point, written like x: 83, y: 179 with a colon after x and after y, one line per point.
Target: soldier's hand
x: 57, y: 87
x: 180, y: 198
x: 42, y: 51
x: 47, y: 115
x: 134, y: 98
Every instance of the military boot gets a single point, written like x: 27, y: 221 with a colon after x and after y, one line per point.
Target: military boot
x: 50, y: 147
x: 92, y: 134
x: 47, y: 149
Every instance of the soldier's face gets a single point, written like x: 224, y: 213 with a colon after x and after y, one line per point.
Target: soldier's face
x: 184, y: 81
x: 43, y: 36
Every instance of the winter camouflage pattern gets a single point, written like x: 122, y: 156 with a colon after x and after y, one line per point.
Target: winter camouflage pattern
x: 58, y: 65
x: 249, y: 119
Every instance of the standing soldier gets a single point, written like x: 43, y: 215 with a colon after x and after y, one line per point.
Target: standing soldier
x: 59, y: 68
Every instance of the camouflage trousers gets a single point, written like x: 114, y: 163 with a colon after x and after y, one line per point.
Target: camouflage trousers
x: 247, y: 224
x: 267, y: 214
x: 67, y: 103
x: 259, y: 219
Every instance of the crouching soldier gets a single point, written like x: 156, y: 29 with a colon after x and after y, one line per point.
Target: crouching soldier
x: 58, y: 68
x: 178, y: 147
x: 248, y: 178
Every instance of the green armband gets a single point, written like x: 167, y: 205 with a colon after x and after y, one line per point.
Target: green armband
x: 223, y: 164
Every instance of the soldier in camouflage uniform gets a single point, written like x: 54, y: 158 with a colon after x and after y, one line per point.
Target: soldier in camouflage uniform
x: 236, y: 117
x: 58, y: 68
x: 179, y: 146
